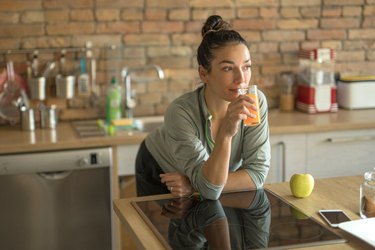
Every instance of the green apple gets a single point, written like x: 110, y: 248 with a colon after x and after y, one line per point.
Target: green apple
x: 301, y: 185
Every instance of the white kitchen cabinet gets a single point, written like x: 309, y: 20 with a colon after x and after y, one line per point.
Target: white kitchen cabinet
x: 126, y: 155
x: 341, y: 153
x: 287, y: 156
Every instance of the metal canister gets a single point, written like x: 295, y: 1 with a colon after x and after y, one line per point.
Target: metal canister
x: 38, y: 88
x: 65, y: 86
x: 48, y: 117
x: 27, y: 119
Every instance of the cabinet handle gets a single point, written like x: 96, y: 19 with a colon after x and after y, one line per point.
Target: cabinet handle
x: 350, y: 139
x: 281, y: 144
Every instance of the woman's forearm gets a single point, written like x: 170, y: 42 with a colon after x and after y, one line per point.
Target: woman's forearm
x: 215, y: 170
x: 239, y: 180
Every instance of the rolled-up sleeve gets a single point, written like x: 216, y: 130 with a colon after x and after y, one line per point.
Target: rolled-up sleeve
x: 256, y: 153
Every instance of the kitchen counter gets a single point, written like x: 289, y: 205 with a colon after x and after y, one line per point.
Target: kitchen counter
x: 13, y: 140
x: 333, y: 193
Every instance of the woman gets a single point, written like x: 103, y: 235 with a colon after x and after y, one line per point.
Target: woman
x: 203, y: 145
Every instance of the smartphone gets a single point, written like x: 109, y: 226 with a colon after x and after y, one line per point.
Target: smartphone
x: 334, y: 216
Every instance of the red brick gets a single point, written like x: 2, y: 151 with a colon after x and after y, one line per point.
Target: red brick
x: 356, y: 67
x: 52, y: 16
x: 297, y: 24
x: 20, y: 5
x: 269, y: 12
x: 107, y: 14
x: 82, y: 15
x: 300, y: 3
x: 343, y: 2
x: 193, y: 26
x: 290, y: 12
x: 132, y: 14
x: 268, y: 47
x: 118, y: 27
x: 70, y: 28
x: 368, y: 22
x: 350, y: 56
x: 276, y: 35
x: 21, y: 30
x: 331, y: 11
x: 162, y: 27
x: 9, y: 17
x: 32, y: 17
x: 247, y: 12
x: 251, y: 36
x: 201, y: 14
x: 334, y: 44
x: 208, y: 3
x: 97, y: 40
x: 119, y: 4
x: 254, y: 24
x: 9, y: 43
x: 156, y: 14
x: 258, y: 3
x: 179, y: 15
x: 362, y: 34
x: 59, y: 4
x: 352, y: 11
x: 289, y: 46
x: 186, y: 39
x: 326, y: 34
x: 340, y: 23
x: 310, y: 12
x: 369, y: 10
x: 146, y: 39
x: 168, y: 4
x: 226, y: 13
x: 173, y: 62
x: 355, y: 44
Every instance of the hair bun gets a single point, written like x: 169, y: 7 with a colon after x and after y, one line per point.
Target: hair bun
x: 214, y: 23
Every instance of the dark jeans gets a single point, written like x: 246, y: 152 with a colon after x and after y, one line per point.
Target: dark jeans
x: 147, y: 174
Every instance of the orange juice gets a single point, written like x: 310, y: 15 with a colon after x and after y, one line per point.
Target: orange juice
x: 253, y: 93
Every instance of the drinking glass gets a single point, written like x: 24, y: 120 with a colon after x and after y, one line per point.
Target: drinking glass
x: 367, y: 196
x: 252, y: 92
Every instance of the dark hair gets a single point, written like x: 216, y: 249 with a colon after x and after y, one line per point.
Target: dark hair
x: 216, y: 33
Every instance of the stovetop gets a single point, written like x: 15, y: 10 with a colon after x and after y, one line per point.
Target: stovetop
x: 254, y: 219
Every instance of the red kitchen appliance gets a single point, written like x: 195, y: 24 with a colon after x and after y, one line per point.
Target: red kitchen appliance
x: 316, y: 99
x: 316, y: 89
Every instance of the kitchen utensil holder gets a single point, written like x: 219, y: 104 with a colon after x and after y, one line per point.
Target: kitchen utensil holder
x: 38, y: 88
x: 65, y: 86
x: 48, y: 117
x: 27, y: 119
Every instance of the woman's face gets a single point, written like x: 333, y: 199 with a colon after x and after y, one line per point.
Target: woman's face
x: 230, y: 71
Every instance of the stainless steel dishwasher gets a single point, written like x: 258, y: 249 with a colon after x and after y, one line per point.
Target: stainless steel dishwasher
x: 56, y: 200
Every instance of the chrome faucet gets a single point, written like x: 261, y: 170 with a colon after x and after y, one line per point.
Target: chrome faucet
x: 129, y: 96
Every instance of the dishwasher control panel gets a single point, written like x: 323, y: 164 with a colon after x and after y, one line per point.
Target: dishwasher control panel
x: 55, y: 161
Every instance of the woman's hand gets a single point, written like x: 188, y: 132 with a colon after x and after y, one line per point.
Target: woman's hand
x: 237, y: 110
x: 177, y: 183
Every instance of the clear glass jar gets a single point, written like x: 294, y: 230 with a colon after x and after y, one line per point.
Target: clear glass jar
x: 367, y: 196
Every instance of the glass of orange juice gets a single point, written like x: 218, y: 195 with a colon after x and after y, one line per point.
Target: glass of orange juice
x: 252, y: 92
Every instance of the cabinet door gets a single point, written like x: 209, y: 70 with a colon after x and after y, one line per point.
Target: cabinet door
x: 341, y: 153
x: 126, y: 155
x: 287, y: 156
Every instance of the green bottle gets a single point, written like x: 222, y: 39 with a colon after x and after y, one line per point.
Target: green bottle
x: 113, y: 101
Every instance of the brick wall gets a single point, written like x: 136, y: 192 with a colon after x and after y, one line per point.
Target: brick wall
x: 167, y: 32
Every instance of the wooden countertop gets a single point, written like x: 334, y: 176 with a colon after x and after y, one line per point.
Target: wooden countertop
x: 13, y: 140
x: 331, y: 193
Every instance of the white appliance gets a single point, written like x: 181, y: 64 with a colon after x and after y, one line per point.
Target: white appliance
x: 356, y: 92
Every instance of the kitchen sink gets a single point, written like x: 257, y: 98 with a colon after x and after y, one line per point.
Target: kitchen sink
x: 148, y: 123
x: 94, y: 128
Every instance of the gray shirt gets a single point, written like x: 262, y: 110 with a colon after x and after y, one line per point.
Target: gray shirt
x: 184, y: 143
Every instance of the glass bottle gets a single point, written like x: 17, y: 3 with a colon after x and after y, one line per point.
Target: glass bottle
x: 367, y: 196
